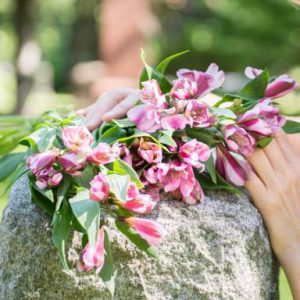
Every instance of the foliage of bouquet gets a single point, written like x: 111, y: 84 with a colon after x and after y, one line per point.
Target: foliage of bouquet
x: 171, y: 142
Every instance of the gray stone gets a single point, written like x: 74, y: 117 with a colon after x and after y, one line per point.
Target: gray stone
x: 216, y: 250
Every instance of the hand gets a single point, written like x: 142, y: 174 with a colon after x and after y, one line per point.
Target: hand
x: 112, y: 105
x: 274, y: 186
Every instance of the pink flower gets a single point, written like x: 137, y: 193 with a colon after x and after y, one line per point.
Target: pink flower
x: 151, y: 93
x: 279, y: 87
x: 262, y: 120
x: 48, y: 177
x: 176, y: 175
x: 194, y: 197
x: 39, y: 161
x: 140, y: 204
x: 232, y: 169
x: 184, y: 89
x: 103, y: 154
x: 149, y: 230
x: 173, y: 122
x: 93, y: 257
x: 206, y: 82
x: 146, y: 117
x: 194, y: 153
x: 132, y: 191
x: 150, y: 152
x: 99, y: 190
x: 238, y: 140
x: 72, y: 163
x: 77, y: 138
x: 197, y: 115
x: 151, y: 175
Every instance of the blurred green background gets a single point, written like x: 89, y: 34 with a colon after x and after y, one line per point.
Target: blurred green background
x: 67, y: 52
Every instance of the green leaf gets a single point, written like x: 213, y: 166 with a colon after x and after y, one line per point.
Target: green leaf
x: 135, y: 238
x: 291, y: 127
x: 141, y: 134
x: 163, y: 65
x: 118, y: 185
x: 41, y: 139
x: 211, y: 169
x: 41, y: 200
x: 61, y: 230
x: 20, y: 171
x: 87, y: 213
x: 111, y: 135
x: 165, y: 137
x: 264, y: 142
x: 124, y: 123
x: 204, y: 135
x: 85, y: 178
x: 150, y: 73
x: 62, y: 190
x: 223, y: 112
x: 122, y: 168
x: 9, y: 164
x: 108, y: 273
x: 206, y: 182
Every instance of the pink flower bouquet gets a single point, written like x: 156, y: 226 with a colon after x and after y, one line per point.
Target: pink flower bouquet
x: 171, y: 141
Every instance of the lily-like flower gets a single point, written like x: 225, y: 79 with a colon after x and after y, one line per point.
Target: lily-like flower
x: 99, y: 190
x: 194, y: 197
x: 176, y: 175
x: 197, y: 115
x: 146, y: 117
x: 39, y: 161
x: 48, y: 177
x: 132, y: 191
x: 151, y: 93
x: 140, y: 204
x: 279, y: 87
x: 103, y: 154
x: 238, y: 140
x: 173, y: 122
x: 151, y: 175
x: 195, y: 153
x: 184, y: 89
x: 206, y: 82
x: 232, y: 169
x: 149, y: 230
x: 93, y: 257
x: 150, y: 152
x: 262, y: 120
x: 77, y: 138
x: 72, y: 163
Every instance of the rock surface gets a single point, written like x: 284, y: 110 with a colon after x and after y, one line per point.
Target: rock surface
x: 216, y: 250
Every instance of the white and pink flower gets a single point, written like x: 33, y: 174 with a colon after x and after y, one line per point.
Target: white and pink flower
x: 93, y: 257
x: 150, y: 152
x: 238, y: 140
x: 103, y: 154
x: 231, y: 168
x: 149, y: 230
x: 72, y: 163
x: 77, y: 138
x: 99, y: 190
x: 39, y: 161
x: 194, y: 153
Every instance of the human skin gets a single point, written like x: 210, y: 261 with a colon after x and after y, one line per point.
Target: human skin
x: 274, y: 183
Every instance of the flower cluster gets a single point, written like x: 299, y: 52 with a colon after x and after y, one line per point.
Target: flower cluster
x: 170, y: 142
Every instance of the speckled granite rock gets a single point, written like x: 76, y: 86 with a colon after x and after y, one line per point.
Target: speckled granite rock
x: 216, y: 250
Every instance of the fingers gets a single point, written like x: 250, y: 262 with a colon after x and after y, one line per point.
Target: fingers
x: 121, y: 109
x: 256, y: 189
x: 82, y: 112
x: 276, y: 157
x: 285, y: 146
x: 294, y: 140
x: 104, y: 104
x: 262, y: 167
